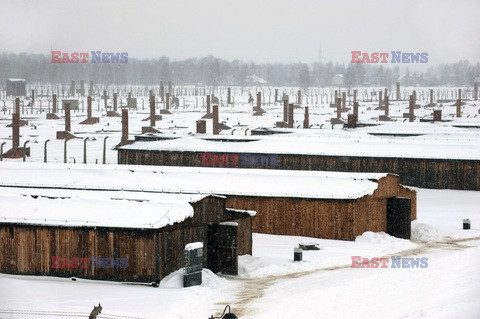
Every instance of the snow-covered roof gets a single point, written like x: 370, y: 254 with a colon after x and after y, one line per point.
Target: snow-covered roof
x: 251, y: 213
x: 16, y: 80
x: 368, y: 146
x: 80, y: 208
x: 191, y: 180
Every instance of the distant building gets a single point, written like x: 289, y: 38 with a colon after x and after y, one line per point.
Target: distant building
x: 16, y: 87
x: 338, y: 80
x: 255, y: 80
x: 122, y: 236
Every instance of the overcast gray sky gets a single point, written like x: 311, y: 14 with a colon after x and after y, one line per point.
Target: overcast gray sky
x: 251, y: 30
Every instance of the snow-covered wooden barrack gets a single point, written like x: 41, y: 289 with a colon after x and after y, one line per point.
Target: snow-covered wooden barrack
x: 333, y: 205
x: 110, y: 233
x: 442, y: 162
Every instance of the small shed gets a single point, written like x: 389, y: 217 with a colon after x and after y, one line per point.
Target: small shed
x: 126, y: 236
x: 16, y: 87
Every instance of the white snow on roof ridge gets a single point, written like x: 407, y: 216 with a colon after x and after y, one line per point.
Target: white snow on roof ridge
x: 361, y: 146
x: 251, y: 213
x: 193, y: 180
x: 78, y: 212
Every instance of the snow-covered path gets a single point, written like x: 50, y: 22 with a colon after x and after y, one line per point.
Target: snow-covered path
x: 323, y: 285
x: 448, y: 288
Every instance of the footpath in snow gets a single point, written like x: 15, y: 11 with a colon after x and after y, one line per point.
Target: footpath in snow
x: 323, y: 285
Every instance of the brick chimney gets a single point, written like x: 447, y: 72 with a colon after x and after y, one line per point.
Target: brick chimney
x: 54, y: 103
x: 115, y: 95
x: 15, y: 130
x: 290, y: 115
x: 68, y: 127
x: 216, y: 129
x: 124, y: 125
x: 89, y: 107
x: 152, y: 110
x: 411, y: 107
x: 339, y: 107
x: 306, y: 121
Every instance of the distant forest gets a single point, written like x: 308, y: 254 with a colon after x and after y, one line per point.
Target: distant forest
x: 214, y: 71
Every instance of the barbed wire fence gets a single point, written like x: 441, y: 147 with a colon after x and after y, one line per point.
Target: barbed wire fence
x: 16, y: 313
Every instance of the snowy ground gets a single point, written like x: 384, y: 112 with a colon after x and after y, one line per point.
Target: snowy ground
x: 239, y: 117
x: 270, y: 285
x: 324, y: 285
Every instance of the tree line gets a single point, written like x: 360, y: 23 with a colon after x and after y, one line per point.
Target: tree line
x: 215, y: 71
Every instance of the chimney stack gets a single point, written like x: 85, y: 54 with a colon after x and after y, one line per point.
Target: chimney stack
x: 115, y: 95
x: 208, y: 104
x: 15, y: 130
x: 67, y: 118
x: 259, y: 101
x: 339, y: 108
x: 290, y: 115
x: 54, y: 103
x: 411, y: 106
x: 216, y: 129
x: 459, y: 107
x: 386, y: 105
x: 124, y: 126
x: 306, y: 121
x: 17, y: 105
x: 89, y: 107
x: 152, y: 110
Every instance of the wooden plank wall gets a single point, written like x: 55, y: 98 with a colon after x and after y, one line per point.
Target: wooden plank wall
x: 298, y: 217
x: 390, y: 186
x: 28, y: 250
x: 329, y: 219
x: 152, y: 254
x: 418, y: 172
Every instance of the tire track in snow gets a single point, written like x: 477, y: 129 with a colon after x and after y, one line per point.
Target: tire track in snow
x: 252, y: 289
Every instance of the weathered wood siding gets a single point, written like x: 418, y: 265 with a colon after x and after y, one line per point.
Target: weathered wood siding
x: 152, y: 254
x: 419, y: 172
x: 299, y: 217
x: 29, y: 249
x: 329, y: 219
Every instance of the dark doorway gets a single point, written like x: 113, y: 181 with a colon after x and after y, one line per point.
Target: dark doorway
x: 222, y: 253
x: 399, y: 217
